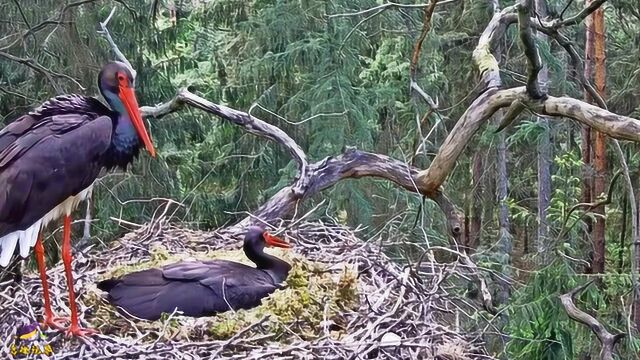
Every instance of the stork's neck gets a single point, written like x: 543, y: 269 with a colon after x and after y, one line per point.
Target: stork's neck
x: 125, y: 133
x: 278, y: 269
x: 125, y: 143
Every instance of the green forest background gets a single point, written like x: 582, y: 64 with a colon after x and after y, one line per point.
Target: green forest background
x: 332, y: 82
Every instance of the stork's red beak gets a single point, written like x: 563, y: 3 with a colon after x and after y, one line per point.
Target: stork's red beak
x: 271, y: 240
x: 128, y: 98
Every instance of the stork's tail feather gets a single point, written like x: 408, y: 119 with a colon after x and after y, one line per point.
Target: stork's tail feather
x: 8, y: 245
x: 107, y: 285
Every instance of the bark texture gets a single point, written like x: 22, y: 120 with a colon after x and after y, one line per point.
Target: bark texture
x: 599, y: 144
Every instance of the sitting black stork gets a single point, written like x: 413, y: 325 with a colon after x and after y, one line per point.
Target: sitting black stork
x: 201, y: 288
x: 49, y: 160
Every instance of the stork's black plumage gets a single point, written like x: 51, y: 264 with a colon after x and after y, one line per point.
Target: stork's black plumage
x: 49, y: 159
x: 52, y: 155
x: 201, y: 288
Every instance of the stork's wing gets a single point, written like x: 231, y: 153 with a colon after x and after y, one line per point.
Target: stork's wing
x: 231, y: 283
x: 53, y: 160
x: 194, y: 288
x: 59, y: 105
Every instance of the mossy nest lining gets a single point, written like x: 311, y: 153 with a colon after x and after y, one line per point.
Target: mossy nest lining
x: 343, y: 299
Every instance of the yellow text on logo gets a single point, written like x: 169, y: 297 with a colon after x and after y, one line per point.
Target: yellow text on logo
x: 24, y: 350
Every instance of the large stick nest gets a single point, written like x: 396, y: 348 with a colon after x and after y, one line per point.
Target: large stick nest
x: 345, y: 299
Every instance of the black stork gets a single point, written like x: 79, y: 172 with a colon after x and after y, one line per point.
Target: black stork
x: 49, y: 160
x: 201, y: 288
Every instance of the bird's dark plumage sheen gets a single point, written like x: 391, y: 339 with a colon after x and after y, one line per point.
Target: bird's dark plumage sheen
x: 199, y: 288
x: 61, y: 146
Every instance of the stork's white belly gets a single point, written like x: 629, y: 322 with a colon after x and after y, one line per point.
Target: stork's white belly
x: 26, y: 239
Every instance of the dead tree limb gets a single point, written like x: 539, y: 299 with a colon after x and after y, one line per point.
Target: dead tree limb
x: 413, y: 65
x: 248, y: 122
x: 607, y: 339
x: 352, y: 164
x: 528, y: 40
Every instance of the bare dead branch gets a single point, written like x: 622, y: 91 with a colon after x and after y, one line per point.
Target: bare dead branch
x: 607, y: 339
x: 119, y: 55
x: 528, y: 40
x: 579, y: 17
x: 249, y: 123
x: 49, y: 74
x: 479, y: 111
x: 616, y: 126
x: 388, y: 5
x: 413, y: 65
x: 353, y: 164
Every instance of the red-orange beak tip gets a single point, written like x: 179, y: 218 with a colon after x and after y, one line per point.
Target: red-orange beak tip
x: 152, y: 152
x: 274, y: 241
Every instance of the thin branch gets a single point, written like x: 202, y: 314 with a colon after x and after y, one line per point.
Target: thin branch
x: 49, y: 74
x: 579, y: 17
x: 413, y: 65
x: 119, y: 55
x: 248, y: 122
x: 385, y: 6
x: 589, y: 206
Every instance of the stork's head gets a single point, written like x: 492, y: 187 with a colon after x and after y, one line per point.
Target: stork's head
x: 256, y: 238
x: 116, y: 85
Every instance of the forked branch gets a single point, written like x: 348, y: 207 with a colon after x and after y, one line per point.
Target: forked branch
x: 607, y: 339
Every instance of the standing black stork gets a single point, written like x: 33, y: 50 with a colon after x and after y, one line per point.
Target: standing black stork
x: 49, y: 160
x: 201, y: 288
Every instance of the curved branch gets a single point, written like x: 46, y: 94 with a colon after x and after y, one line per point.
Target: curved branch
x: 248, y: 122
x: 616, y: 126
x: 413, y: 65
x: 607, y: 339
x: 352, y: 164
x: 534, y: 63
x: 478, y: 112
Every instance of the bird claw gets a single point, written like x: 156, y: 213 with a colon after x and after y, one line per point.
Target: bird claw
x: 77, y: 331
x: 54, y: 322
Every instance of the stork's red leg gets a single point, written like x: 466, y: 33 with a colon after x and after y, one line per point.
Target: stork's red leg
x: 49, y: 320
x: 74, y: 329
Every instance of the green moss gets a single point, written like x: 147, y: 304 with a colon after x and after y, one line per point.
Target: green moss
x: 311, y: 295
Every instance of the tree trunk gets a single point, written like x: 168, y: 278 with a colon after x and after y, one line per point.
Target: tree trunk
x: 599, y: 148
x: 545, y: 155
x: 505, y: 240
x: 585, y: 143
x: 475, y: 225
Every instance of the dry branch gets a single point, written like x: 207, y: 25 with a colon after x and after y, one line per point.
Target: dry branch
x: 607, y: 339
x: 355, y: 164
x: 413, y: 65
x: 528, y: 40
x: 249, y: 123
x: 387, y: 5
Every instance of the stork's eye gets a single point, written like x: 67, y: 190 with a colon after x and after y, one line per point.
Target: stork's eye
x: 121, y: 78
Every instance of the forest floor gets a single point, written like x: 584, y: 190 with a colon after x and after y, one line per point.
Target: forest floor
x: 344, y: 299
